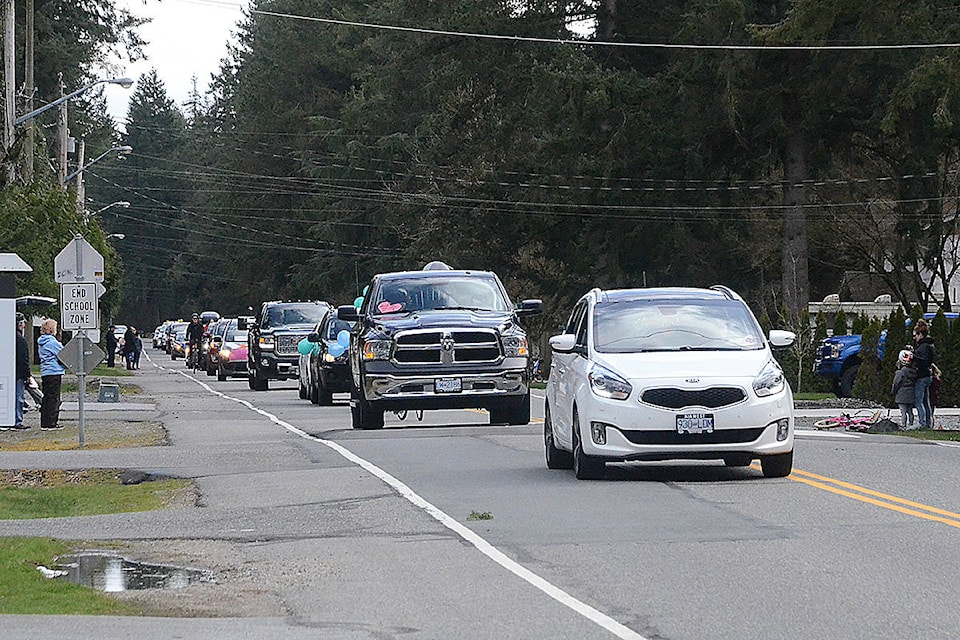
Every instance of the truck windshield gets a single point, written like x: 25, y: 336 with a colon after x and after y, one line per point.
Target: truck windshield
x: 287, y: 314
x: 425, y: 293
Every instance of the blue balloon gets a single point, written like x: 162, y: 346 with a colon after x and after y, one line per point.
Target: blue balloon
x: 343, y: 338
x: 304, y: 347
x: 336, y: 349
x: 358, y: 302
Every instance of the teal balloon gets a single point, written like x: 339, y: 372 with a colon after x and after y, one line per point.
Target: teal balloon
x: 336, y: 349
x: 365, y: 289
x: 358, y: 302
x: 304, y: 347
x: 343, y: 338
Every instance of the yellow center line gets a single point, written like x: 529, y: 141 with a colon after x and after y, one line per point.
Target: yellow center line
x: 883, y: 500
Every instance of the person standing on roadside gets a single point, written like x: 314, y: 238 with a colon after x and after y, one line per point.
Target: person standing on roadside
x: 111, y: 347
x: 924, y: 353
x: 903, y: 383
x: 129, y: 350
x: 51, y: 372
x: 23, y: 371
x: 137, y: 348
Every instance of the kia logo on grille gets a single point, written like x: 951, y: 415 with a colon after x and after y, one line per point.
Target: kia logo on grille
x: 693, y: 380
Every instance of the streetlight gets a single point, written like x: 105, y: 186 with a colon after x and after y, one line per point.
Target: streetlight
x: 120, y: 203
x: 124, y: 150
x: 126, y: 83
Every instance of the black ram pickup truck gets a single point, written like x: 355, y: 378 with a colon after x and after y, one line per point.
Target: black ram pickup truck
x: 439, y: 339
x: 272, y: 338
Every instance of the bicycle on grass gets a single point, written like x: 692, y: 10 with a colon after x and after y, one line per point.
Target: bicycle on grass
x: 860, y: 421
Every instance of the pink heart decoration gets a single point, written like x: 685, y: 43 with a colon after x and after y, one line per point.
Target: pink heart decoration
x: 386, y: 307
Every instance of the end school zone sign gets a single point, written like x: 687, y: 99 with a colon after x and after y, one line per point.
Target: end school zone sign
x: 79, y: 306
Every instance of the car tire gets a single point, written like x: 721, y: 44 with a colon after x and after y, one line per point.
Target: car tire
x: 584, y: 467
x: 314, y: 394
x: 301, y: 389
x: 363, y: 414
x: 516, y: 414
x: 777, y: 466
x: 556, y: 458
x: 221, y: 374
x: 738, y: 460
x: 210, y: 370
x: 250, y: 381
x: 324, y: 395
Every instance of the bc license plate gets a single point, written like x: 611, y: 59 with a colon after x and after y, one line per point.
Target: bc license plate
x: 448, y: 385
x: 695, y: 423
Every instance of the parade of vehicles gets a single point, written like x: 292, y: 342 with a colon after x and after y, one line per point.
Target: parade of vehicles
x: 438, y: 339
x: 636, y: 374
x: 663, y: 374
x: 272, y: 338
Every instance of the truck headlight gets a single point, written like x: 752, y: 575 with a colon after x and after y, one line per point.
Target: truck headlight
x: 770, y: 380
x: 515, y: 346
x: 266, y: 343
x: 376, y: 350
x: 607, y: 384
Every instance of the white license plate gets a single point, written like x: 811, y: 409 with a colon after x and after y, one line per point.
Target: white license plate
x: 448, y: 385
x: 695, y: 423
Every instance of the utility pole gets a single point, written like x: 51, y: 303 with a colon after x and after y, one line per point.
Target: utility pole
x: 81, y: 196
x: 63, y: 135
x: 28, y: 145
x: 9, y: 80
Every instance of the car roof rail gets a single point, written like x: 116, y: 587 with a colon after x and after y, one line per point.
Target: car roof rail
x: 727, y: 291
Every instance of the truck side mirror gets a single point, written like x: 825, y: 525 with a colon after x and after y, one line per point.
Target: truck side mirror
x: 530, y: 308
x: 347, y: 313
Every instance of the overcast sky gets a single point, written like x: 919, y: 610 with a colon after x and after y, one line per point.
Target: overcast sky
x: 186, y: 38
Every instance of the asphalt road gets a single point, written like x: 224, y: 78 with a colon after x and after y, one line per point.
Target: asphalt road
x: 370, y: 534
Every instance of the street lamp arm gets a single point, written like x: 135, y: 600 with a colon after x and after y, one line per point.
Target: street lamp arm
x: 126, y: 83
x: 125, y: 149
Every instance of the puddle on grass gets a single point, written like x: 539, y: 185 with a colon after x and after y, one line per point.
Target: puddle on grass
x: 112, y: 573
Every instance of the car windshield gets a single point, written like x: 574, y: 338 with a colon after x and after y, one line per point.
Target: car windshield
x: 306, y: 313
x: 674, y: 325
x: 424, y: 293
x: 335, y: 326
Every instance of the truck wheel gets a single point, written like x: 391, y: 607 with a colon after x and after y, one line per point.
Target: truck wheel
x: 221, y: 374
x: 516, y: 414
x: 259, y: 383
x: 314, y: 393
x: 364, y: 415
x: 848, y: 378
x: 324, y: 395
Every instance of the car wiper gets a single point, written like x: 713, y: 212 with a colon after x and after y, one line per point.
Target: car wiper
x: 458, y: 309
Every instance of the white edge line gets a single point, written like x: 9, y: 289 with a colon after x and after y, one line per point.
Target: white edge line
x: 469, y: 535
x: 813, y: 433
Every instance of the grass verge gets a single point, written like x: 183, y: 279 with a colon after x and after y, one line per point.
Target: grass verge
x: 931, y: 434
x: 57, y: 493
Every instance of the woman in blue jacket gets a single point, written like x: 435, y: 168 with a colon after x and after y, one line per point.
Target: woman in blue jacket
x: 51, y: 372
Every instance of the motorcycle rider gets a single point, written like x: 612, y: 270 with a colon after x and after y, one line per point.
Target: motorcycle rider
x: 195, y: 331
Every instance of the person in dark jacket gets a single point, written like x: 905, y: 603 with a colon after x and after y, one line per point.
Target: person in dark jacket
x: 129, y: 349
x: 903, y: 383
x: 924, y: 353
x: 23, y: 371
x: 111, y: 347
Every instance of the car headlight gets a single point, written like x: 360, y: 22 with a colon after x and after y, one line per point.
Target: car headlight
x: 770, y: 380
x: 376, y: 350
x: 327, y: 357
x: 225, y: 354
x: 515, y: 346
x: 607, y: 384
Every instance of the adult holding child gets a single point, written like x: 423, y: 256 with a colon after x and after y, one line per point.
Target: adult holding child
x: 924, y: 353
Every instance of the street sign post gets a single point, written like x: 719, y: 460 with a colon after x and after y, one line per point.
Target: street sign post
x: 78, y: 268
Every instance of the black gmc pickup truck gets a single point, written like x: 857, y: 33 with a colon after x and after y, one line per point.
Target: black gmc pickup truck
x: 272, y: 338
x: 439, y: 339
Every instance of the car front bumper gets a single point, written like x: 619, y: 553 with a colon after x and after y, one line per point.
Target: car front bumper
x: 635, y: 431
